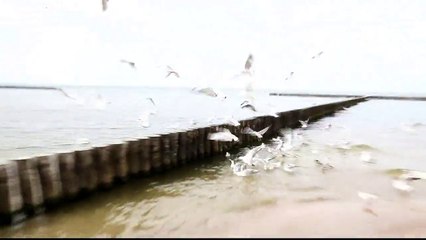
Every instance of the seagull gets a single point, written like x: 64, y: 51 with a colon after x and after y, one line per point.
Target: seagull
x: 170, y: 71
x: 132, y: 64
x: 291, y: 74
x: 144, y: 118
x: 288, y: 167
x: 153, y: 111
x: 304, y: 123
x: 367, y: 196
x: 402, y: 185
x: 209, y: 92
x: 324, y: 167
x: 317, y: 55
x: 248, y: 105
x: 366, y: 157
x: 82, y: 141
x: 248, y: 157
x: 104, y: 5
x: 248, y: 64
x: 248, y: 130
x: 100, y: 102
x: 240, y: 169
x: 225, y: 136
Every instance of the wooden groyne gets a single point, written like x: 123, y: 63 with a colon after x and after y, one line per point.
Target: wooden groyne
x: 409, y: 98
x: 29, y: 186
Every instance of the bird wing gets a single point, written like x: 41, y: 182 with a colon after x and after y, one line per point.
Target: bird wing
x: 150, y: 99
x: 248, y: 130
x: 176, y: 74
x: 104, y: 5
x: 66, y: 95
x: 208, y: 91
x: 249, y: 106
x: 263, y: 131
x: 249, y: 62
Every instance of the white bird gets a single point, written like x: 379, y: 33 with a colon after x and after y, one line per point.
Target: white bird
x: 248, y: 157
x: 104, y: 5
x: 82, y: 141
x: 291, y: 74
x: 402, y: 185
x: 144, y: 119
x: 247, y: 104
x: 367, y: 196
x: 240, y: 169
x: 248, y: 64
x: 100, y: 103
x: 225, y: 136
x: 209, y: 92
x: 131, y: 64
x: 170, y: 71
x: 304, y: 124
x: 248, y: 130
x: 366, y: 157
x: 289, y: 167
x: 317, y: 55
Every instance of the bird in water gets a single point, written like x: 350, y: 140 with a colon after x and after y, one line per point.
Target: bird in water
x: 304, y: 124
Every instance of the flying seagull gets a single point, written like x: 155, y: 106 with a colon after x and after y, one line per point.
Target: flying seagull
x: 251, y: 132
x: 225, y: 135
x: 304, y: 123
x: 291, y: 74
x: 318, y: 55
x: 247, y: 104
x: 170, y: 71
x: 132, y: 64
x: 104, y: 5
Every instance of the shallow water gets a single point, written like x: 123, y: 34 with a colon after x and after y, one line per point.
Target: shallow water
x: 206, y: 199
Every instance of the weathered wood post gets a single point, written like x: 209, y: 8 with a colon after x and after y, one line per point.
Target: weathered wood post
x: 165, y: 151
x: 50, y: 178
x: 174, y: 148
x: 145, y: 157
x: 155, y: 144
x: 85, y: 169
x: 70, y: 180
x: 11, y: 200
x: 32, y: 191
x: 182, y: 150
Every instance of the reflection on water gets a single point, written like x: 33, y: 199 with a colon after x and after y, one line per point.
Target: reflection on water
x: 206, y: 199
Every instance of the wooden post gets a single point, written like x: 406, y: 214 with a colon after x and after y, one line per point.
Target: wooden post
x: 104, y: 166
x: 182, y: 150
x: 11, y: 200
x: 32, y: 191
x: 133, y: 153
x: 165, y: 151
x: 69, y: 178
x: 155, y: 143
x: 145, y: 157
x: 50, y: 178
x: 86, y: 170
x: 174, y: 147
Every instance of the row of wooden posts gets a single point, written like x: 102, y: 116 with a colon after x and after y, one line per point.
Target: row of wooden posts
x: 28, y: 186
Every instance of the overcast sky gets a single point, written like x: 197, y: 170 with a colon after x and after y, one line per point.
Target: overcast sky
x: 368, y: 45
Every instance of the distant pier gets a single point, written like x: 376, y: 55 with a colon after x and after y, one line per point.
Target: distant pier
x: 389, y: 97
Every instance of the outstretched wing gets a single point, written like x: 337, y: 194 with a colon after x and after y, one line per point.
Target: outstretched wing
x: 104, y: 5
x: 263, y: 131
x: 249, y: 62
